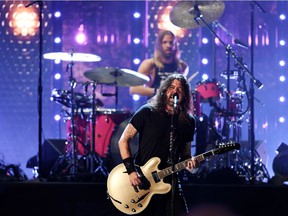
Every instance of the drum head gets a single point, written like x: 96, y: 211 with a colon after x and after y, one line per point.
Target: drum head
x: 114, y: 153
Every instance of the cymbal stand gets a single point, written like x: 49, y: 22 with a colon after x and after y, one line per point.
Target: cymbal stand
x: 73, y: 160
x: 93, y: 158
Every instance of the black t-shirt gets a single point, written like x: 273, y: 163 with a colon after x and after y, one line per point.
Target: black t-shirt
x: 161, y: 75
x: 154, y: 134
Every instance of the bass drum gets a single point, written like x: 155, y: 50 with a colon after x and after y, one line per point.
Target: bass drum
x: 114, y: 153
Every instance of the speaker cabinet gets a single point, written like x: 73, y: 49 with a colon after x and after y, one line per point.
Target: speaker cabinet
x: 51, y: 150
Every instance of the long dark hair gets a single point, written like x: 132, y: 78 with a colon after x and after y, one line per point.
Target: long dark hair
x: 158, y: 102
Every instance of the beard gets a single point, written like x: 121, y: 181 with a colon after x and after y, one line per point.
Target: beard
x: 168, y: 55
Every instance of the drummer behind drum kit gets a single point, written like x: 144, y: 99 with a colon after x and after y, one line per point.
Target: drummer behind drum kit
x: 89, y: 126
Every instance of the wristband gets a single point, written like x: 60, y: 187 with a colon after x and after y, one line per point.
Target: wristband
x: 128, y: 163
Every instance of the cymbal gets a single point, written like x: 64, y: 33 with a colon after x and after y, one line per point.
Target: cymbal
x: 79, y: 57
x: 121, y: 77
x: 185, y: 13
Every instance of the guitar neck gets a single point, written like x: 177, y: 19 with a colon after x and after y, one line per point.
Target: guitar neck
x: 182, y: 165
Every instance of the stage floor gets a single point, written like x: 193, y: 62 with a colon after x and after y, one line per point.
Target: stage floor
x: 35, y: 197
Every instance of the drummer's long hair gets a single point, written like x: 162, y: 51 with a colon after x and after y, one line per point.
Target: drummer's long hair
x: 159, y: 101
x: 158, y: 56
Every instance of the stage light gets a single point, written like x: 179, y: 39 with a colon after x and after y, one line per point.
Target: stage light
x: 282, y: 42
x: 23, y: 21
x: 136, y: 40
x: 282, y: 78
x: 57, y: 76
x: 281, y: 119
x: 137, y: 15
x: 136, y: 61
x: 204, y: 61
x: 282, y: 17
x: 57, y: 40
x: 282, y: 63
x: 205, y: 40
x: 57, y: 14
x: 136, y: 97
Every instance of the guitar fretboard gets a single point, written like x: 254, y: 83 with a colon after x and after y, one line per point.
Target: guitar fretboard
x: 182, y: 165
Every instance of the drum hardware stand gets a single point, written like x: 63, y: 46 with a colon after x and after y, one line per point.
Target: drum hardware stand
x: 229, y: 53
x: 92, y: 157
x: 73, y: 160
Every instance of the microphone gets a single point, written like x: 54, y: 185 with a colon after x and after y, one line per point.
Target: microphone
x: 240, y: 43
x: 175, y: 100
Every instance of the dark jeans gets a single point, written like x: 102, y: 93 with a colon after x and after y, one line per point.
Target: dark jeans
x: 160, y: 205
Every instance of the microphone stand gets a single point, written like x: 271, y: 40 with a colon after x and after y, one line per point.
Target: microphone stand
x: 251, y: 101
x: 40, y: 88
x: 172, y: 153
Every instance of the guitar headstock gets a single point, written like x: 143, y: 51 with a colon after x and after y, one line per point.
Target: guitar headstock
x: 227, y: 146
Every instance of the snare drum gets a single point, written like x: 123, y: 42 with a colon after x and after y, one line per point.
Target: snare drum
x: 209, y: 89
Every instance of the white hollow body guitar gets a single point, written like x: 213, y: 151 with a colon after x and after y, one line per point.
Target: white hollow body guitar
x: 130, y: 201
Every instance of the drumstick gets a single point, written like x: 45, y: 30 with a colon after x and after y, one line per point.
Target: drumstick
x: 193, y: 76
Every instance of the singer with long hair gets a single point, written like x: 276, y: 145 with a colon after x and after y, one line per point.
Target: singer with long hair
x: 166, y: 129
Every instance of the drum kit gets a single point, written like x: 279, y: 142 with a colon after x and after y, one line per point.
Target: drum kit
x: 89, y: 126
x: 223, y: 123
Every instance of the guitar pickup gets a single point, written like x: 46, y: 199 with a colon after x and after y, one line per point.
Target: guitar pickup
x: 155, y: 176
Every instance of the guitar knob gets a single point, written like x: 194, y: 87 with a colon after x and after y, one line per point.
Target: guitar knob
x: 140, y: 205
x: 133, y: 210
x: 126, y: 206
x: 132, y: 201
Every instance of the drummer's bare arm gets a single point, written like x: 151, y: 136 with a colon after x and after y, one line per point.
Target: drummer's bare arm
x: 185, y: 69
x: 145, y: 68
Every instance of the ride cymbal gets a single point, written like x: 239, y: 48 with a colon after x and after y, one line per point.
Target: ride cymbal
x: 79, y: 57
x: 186, y: 14
x: 120, y: 77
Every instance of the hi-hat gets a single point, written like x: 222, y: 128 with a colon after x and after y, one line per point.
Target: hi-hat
x: 120, y: 77
x: 186, y: 14
x: 79, y: 57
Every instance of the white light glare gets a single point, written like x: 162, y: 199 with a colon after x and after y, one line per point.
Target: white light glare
x: 205, y: 76
x: 282, y: 17
x: 282, y: 63
x: 57, y: 40
x: 282, y: 42
x: 204, y: 40
x: 136, y: 40
x: 204, y: 61
x: 80, y: 38
x: 281, y: 119
x: 136, y: 97
x: 282, y: 78
x: 57, y: 14
x: 57, y: 117
x: 282, y: 99
x: 137, y: 15
x: 136, y: 61
x: 57, y: 76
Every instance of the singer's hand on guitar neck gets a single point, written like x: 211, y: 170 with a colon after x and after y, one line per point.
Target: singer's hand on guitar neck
x: 192, y: 164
